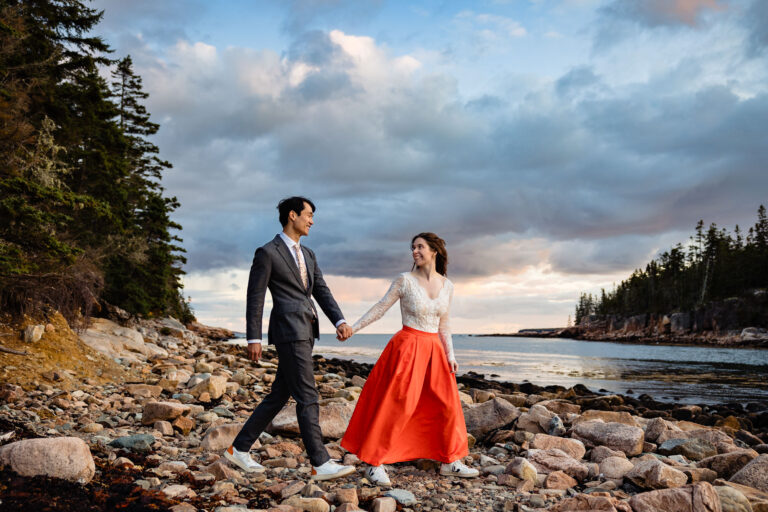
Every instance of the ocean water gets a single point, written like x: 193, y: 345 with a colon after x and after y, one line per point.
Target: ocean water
x: 668, y: 373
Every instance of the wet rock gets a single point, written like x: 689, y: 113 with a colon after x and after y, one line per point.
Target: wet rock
x: 654, y: 474
x: 572, y: 447
x: 546, y: 461
x: 141, y: 443
x: 616, y: 436
x: 754, y: 474
x: 68, y: 458
x: 700, y: 497
x: 491, y: 415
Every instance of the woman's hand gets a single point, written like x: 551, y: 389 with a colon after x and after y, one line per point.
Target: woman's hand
x: 454, y: 366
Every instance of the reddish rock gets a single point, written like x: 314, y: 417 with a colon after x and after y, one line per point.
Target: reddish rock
x: 727, y: 464
x: 654, y: 474
x: 154, y: 411
x: 754, y: 474
x: 184, y: 424
x: 220, y: 437
x: 616, y: 436
x: 572, y: 447
x: 591, y: 503
x: 559, y: 480
x: 547, y: 461
x: 699, y: 497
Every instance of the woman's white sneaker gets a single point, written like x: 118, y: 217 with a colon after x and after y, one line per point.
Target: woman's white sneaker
x: 330, y: 470
x: 458, y: 469
x: 377, y: 475
x: 243, y: 460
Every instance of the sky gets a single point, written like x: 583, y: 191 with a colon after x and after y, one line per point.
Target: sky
x: 556, y: 145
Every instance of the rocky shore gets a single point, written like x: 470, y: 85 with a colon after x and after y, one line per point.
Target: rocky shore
x: 136, y: 416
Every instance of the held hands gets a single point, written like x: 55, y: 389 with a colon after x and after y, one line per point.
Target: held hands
x: 343, y: 332
x: 254, y: 351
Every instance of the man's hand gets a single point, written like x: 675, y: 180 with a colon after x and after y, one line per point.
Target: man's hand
x: 343, y: 332
x: 254, y: 351
x: 454, y: 366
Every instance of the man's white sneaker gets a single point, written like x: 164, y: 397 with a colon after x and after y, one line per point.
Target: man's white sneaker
x: 377, y: 475
x: 458, y: 469
x: 330, y: 470
x: 243, y: 460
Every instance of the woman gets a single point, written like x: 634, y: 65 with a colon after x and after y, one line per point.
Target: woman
x: 409, y: 407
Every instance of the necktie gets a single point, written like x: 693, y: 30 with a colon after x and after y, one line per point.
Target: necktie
x: 302, y: 268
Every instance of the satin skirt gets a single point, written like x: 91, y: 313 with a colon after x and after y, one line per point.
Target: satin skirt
x: 409, y: 407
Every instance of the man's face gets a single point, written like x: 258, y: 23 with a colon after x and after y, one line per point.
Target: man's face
x: 303, y: 222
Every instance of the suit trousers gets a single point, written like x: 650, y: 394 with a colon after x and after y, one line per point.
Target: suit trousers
x: 295, y: 378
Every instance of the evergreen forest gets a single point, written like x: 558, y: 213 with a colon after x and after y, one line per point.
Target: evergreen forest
x: 714, y: 265
x: 84, y: 219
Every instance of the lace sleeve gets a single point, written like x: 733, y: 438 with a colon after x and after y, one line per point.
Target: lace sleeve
x: 381, y: 307
x: 444, y: 330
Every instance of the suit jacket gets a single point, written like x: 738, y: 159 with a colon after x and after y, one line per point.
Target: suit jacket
x: 293, y: 316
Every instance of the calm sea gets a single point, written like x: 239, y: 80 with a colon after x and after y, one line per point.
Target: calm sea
x: 667, y: 373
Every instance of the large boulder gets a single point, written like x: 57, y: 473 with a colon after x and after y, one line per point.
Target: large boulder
x: 68, y: 458
x: 732, y: 500
x: 727, y: 464
x: 616, y: 436
x: 656, y: 426
x: 587, y: 503
x: 654, y: 474
x: 114, y: 340
x: 220, y: 437
x: 536, y: 420
x: 699, y: 497
x: 572, y: 447
x: 547, y: 461
x: 691, y: 448
x: 615, y: 467
x: 754, y: 474
x: 491, y: 415
x: 334, y: 419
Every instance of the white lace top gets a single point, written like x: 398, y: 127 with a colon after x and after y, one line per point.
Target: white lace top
x: 417, y: 309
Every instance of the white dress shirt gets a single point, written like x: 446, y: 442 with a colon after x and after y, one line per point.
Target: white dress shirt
x: 291, y: 244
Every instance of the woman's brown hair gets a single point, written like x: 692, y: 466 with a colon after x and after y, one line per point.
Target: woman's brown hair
x: 437, y: 244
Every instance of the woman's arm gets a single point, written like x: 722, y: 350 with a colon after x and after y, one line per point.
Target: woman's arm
x: 444, y: 331
x: 381, y: 307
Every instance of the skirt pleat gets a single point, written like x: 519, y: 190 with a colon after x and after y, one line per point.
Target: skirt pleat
x: 409, y: 407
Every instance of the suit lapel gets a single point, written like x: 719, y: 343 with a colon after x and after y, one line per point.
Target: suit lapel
x: 288, y: 257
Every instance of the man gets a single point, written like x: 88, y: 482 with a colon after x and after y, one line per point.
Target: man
x: 291, y: 273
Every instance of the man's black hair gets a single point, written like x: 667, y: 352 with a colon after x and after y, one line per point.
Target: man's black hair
x: 292, y: 204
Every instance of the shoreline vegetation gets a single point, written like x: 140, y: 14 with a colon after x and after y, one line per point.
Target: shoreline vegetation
x: 141, y: 426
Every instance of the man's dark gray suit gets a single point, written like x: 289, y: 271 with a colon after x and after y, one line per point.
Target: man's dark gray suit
x: 293, y: 327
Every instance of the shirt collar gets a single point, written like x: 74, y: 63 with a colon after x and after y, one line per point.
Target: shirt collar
x: 288, y: 240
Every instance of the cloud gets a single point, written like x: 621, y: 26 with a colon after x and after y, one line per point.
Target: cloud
x: 302, y: 15
x: 756, y: 21
x: 655, y: 13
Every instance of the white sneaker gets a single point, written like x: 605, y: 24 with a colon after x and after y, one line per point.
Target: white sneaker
x: 243, y: 460
x: 377, y: 475
x: 456, y: 468
x: 330, y: 470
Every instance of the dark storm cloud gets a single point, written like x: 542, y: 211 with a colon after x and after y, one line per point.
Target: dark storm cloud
x: 581, y: 173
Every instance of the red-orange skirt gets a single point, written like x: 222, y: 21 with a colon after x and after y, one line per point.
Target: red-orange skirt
x: 409, y: 407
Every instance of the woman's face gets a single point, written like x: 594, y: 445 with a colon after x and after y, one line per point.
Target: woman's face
x: 422, y: 252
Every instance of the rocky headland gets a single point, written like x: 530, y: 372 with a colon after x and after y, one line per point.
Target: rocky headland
x: 134, y: 415
x: 736, y: 322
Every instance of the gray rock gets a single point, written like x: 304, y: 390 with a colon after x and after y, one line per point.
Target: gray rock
x: 754, y: 474
x: 692, y: 449
x: 490, y: 415
x: 138, y: 442
x: 405, y: 498
x: 556, y: 427
x: 68, y: 458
